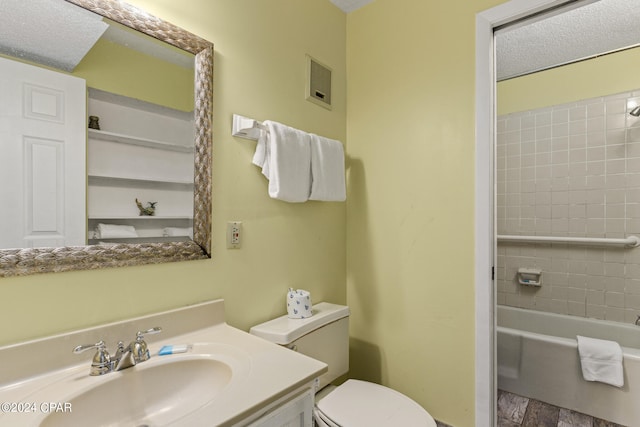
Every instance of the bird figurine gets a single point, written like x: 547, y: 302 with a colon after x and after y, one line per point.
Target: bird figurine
x: 150, y: 210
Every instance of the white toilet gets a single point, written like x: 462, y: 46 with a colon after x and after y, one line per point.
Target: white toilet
x: 325, y: 337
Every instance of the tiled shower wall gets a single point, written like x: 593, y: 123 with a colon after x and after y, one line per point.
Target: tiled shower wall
x: 571, y: 170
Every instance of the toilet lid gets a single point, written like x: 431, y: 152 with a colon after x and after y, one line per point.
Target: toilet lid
x: 363, y: 404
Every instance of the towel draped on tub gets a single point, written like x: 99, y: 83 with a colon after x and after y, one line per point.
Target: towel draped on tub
x: 601, y: 360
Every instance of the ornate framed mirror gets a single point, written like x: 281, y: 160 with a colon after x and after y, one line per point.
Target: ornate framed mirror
x: 25, y: 261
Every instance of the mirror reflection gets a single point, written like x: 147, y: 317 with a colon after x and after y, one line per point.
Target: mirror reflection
x: 96, y: 130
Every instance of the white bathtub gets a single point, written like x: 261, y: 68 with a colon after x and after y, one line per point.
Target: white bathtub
x: 538, y: 358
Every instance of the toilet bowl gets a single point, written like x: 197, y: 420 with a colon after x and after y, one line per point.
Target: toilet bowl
x: 325, y: 336
x: 360, y: 403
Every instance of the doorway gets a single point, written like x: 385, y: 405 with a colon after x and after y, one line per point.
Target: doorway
x: 486, y: 227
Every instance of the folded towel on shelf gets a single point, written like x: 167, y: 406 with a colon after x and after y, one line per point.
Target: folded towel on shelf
x: 601, y: 360
x: 284, y: 154
x: 177, y: 231
x: 114, y: 231
x: 327, y: 170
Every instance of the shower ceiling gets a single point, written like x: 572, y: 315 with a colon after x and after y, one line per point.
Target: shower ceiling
x: 589, y: 29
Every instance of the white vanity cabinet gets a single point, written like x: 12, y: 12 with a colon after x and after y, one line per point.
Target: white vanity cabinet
x: 141, y: 151
x: 294, y: 410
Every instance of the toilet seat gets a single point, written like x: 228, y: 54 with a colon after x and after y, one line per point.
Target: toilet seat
x: 363, y: 404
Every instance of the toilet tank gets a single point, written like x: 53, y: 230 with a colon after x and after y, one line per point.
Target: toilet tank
x: 323, y: 336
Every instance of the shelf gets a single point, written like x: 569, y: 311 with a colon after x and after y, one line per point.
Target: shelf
x: 145, y: 239
x: 126, y: 181
x: 138, y: 217
x: 134, y: 140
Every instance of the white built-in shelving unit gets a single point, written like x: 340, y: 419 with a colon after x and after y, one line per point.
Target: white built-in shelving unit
x: 142, y: 151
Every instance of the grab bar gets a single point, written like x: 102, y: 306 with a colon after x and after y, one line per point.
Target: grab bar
x: 631, y: 241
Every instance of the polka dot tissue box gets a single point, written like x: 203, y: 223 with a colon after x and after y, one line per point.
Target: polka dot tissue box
x: 298, y: 304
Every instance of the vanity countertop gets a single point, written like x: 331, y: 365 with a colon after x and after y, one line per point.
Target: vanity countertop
x: 262, y: 372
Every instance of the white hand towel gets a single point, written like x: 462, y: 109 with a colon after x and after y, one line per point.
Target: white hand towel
x: 113, y: 231
x: 285, y: 157
x: 327, y: 170
x: 261, y: 157
x: 601, y: 360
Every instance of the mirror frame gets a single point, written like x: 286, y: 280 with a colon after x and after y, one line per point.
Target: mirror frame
x: 25, y: 261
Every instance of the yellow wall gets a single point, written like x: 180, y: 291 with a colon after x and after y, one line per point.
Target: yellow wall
x: 259, y: 71
x: 113, y: 68
x: 410, y: 216
x: 604, y: 75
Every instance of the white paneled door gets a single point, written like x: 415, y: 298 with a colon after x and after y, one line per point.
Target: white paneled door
x: 42, y: 157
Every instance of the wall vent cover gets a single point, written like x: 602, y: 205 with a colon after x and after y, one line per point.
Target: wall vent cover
x: 318, y: 88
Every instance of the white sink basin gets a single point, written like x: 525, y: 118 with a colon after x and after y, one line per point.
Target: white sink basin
x: 157, y: 392
x: 157, y: 395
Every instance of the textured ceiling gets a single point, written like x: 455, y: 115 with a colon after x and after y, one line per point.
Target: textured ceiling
x: 590, y: 29
x: 583, y: 32
x: 350, y: 5
x: 57, y: 34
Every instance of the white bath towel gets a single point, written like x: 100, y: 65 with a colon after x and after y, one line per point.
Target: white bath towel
x: 327, y: 170
x: 114, y: 231
x: 601, y: 360
x: 284, y: 154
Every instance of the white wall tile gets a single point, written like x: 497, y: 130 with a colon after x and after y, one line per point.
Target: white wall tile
x: 578, y: 113
x: 596, y: 125
x: 595, y: 109
x: 571, y: 170
x: 616, y: 136
x: 596, y: 311
x: 578, y: 141
x: 616, y: 104
x: 632, y: 301
x: 615, y: 121
x: 595, y: 138
x: 595, y: 297
x: 614, y: 314
x: 577, y: 308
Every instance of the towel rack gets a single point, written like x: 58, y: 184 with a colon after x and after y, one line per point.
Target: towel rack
x: 244, y: 127
x: 630, y: 241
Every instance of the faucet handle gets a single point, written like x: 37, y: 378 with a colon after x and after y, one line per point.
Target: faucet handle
x: 100, y: 345
x: 140, y: 334
x: 101, y: 362
x: 139, y: 349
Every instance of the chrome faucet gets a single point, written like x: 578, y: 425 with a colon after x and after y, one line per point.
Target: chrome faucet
x: 124, y: 357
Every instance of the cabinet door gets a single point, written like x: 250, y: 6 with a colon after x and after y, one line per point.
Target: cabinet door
x: 297, y: 412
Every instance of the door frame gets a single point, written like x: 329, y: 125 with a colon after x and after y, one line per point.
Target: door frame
x: 485, y: 240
